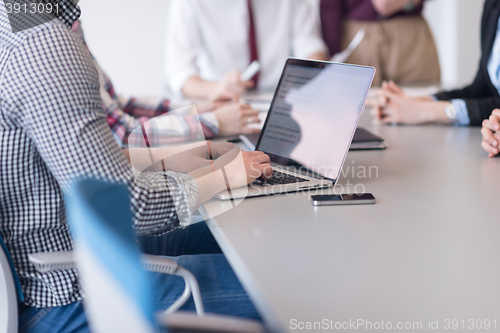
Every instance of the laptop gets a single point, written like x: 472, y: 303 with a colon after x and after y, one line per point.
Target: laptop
x: 309, y: 126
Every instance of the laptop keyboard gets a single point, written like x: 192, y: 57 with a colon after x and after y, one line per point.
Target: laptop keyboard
x: 279, y: 178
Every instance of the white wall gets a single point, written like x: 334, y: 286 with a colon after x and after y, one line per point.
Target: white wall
x: 127, y: 37
x: 456, y: 28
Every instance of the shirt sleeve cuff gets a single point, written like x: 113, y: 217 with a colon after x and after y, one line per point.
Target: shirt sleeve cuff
x: 462, y: 112
x: 185, y: 203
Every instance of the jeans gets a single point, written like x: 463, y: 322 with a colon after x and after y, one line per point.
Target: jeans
x: 221, y: 291
x: 195, y: 239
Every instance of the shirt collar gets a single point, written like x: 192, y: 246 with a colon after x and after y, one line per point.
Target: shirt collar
x: 69, y: 12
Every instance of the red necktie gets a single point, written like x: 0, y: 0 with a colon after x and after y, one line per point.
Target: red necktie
x: 252, y: 40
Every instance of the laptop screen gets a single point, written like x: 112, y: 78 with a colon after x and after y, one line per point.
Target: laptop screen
x: 314, y: 114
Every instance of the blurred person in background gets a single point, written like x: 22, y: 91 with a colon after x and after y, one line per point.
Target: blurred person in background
x: 465, y: 107
x: 397, y: 42
x: 209, y: 43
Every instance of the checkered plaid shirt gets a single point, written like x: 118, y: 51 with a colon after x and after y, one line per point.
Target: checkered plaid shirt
x: 52, y: 129
x: 124, y: 114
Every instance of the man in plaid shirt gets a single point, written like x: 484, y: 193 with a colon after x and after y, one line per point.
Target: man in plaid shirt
x: 52, y: 129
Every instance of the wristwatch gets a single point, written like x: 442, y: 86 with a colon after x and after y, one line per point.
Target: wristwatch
x: 451, y: 112
x: 410, y: 6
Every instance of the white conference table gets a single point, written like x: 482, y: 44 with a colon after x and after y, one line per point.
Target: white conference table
x: 427, y: 251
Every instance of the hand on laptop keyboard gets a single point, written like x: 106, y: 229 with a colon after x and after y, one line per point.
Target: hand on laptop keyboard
x: 279, y: 178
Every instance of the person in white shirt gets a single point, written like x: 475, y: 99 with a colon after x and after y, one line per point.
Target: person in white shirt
x: 209, y: 43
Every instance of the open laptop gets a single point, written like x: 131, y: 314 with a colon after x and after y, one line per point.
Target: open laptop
x: 309, y: 126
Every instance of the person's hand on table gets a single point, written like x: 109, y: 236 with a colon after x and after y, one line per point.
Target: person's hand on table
x: 234, y: 118
x: 491, y: 134
x: 231, y: 87
x: 377, y: 99
x: 393, y: 106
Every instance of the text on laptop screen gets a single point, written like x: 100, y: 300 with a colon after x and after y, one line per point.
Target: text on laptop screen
x: 314, y: 115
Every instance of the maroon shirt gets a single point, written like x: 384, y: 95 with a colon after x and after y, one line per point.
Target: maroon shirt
x: 334, y: 12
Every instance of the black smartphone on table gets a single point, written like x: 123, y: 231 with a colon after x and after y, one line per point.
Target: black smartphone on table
x: 343, y: 199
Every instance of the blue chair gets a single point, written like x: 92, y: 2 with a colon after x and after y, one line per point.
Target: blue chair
x: 118, y: 294
x: 10, y: 292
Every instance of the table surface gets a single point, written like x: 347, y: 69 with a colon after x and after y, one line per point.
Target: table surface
x: 428, y: 250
